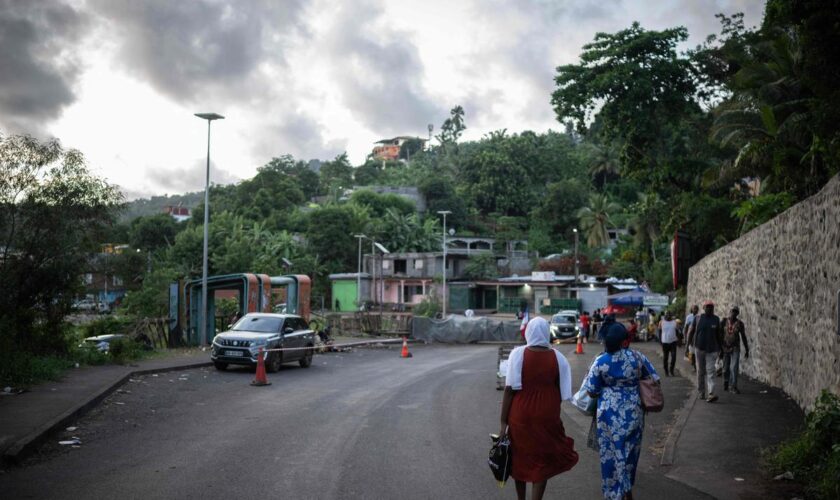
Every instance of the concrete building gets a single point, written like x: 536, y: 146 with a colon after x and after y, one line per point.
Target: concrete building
x: 389, y: 149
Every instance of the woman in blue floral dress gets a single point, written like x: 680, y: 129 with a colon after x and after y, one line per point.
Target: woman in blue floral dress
x: 614, y: 379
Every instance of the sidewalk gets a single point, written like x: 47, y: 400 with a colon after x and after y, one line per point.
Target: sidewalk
x: 716, y: 447
x: 27, y: 419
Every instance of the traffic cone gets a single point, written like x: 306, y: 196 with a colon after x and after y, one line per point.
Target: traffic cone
x: 579, y: 348
x: 405, y: 353
x: 260, y: 378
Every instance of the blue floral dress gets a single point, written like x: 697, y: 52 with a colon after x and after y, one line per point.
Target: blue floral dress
x: 615, y: 378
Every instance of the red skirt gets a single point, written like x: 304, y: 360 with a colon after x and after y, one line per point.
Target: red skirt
x: 539, y: 445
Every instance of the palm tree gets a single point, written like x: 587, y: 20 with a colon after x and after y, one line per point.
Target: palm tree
x: 645, y: 222
x: 595, y: 219
x: 769, y: 118
x: 604, y: 164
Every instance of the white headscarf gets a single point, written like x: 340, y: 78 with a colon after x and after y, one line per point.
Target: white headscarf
x: 537, y: 334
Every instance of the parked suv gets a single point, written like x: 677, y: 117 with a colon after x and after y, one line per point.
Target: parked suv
x: 564, y: 325
x: 241, y: 344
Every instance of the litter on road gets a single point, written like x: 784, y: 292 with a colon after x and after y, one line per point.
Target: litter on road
x: 72, y: 441
x: 71, y: 429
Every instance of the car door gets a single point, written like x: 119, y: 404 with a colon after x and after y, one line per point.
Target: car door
x: 292, y: 338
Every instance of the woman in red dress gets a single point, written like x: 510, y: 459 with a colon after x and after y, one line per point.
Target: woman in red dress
x: 538, y: 379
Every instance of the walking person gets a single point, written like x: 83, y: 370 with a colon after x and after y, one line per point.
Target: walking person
x: 584, y: 323
x: 734, y: 334
x: 689, y: 334
x: 538, y: 380
x: 614, y: 379
x: 668, y: 338
x: 707, y: 347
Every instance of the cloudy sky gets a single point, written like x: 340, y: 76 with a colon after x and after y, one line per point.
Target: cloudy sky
x: 121, y: 79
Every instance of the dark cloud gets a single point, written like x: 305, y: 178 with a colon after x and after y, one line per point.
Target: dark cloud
x: 379, y: 73
x: 299, y: 135
x: 191, y: 49
x: 168, y: 179
x: 37, y: 62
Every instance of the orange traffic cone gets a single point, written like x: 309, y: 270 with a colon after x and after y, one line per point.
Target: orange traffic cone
x: 405, y: 353
x: 579, y: 348
x: 260, y: 378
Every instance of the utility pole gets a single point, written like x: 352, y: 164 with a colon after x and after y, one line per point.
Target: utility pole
x: 359, y: 273
x: 577, y: 262
x: 444, y: 214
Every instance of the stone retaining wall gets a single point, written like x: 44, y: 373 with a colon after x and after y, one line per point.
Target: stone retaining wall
x: 785, y: 276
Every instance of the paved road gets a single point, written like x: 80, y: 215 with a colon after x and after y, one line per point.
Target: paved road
x: 365, y: 424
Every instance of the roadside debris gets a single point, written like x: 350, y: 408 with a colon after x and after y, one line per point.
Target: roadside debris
x: 739, y: 479
x: 12, y: 391
x: 787, y: 475
x: 73, y: 441
x: 118, y: 403
x: 71, y: 429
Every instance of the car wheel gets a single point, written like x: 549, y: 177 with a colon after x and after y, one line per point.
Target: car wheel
x: 273, y: 362
x: 220, y: 366
x: 306, y: 360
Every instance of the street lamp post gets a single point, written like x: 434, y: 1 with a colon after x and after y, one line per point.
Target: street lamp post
x: 359, y: 274
x: 431, y: 127
x: 577, y: 262
x: 444, y: 213
x: 202, y: 320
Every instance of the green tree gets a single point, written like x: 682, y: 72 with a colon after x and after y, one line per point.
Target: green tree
x: 336, y: 174
x: 153, y: 232
x: 595, y: 219
x: 481, y: 267
x: 379, y: 204
x: 452, y: 127
x: 645, y: 222
x: 53, y: 214
x: 640, y: 88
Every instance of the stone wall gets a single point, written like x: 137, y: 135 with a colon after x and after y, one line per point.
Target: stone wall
x: 784, y: 276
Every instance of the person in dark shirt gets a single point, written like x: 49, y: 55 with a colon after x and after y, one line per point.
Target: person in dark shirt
x: 707, y: 346
x: 733, y: 335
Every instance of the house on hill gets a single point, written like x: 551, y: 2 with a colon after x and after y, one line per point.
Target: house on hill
x: 389, y: 149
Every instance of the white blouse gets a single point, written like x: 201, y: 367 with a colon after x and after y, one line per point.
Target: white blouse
x: 514, y: 372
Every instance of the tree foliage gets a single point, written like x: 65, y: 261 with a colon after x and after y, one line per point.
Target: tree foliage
x: 53, y: 214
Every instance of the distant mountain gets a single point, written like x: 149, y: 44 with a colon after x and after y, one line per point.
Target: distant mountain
x: 156, y: 204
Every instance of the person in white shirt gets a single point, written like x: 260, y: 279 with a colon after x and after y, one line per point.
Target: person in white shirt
x: 668, y: 337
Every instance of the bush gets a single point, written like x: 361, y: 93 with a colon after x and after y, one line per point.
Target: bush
x: 108, y: 325
x: 125, y: 349
x: 428, y: 308
x: 814, y: 456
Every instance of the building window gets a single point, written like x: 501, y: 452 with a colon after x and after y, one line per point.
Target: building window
x: 399, y: 266
x: 418, y: 263
x: 117, y: 281
x: 88, y: 278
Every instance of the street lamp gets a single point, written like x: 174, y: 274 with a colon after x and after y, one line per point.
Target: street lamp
x: 576, y: 255
x: 202, y: 320
x: 444, y: 213
x: 359, y: 273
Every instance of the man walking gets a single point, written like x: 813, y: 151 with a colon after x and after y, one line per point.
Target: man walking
x: 733, y: 334
x: 668, y: 339
x: 707, y: 346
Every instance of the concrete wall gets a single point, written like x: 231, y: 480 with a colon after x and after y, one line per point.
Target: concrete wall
x: 785, y: 277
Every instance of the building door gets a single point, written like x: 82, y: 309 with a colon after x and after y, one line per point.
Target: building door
x: 540, y: 294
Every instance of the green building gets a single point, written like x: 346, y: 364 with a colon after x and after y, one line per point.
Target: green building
x: 344, y: 287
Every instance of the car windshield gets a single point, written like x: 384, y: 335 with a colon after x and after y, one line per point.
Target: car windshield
x: 260, y: 324
x: 562, y: 318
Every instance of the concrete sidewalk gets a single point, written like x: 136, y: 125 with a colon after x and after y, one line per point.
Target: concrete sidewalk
x: 27, y: 419
x: 716, y: 447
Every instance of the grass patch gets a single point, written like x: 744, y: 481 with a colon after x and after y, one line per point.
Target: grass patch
x: 814, y: 456
x: 21, y: 368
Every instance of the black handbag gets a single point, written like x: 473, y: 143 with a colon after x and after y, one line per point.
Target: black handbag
x: 500, y: 458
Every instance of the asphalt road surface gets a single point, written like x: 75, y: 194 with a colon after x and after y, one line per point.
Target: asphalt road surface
x: 365, y: 424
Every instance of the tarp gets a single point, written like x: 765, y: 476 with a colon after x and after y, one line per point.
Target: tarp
x: 632, y: 298
x: 458, y: 329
